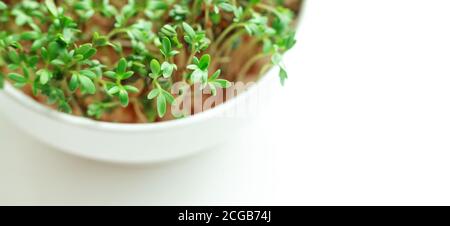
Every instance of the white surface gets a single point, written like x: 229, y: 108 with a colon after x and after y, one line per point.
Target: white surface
x: 368, y: 123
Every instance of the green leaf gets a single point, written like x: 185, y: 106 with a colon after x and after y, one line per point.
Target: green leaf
x: 88, y: 74
x: 196, y: 61
x: 17, y: 78
x: 96, y: 110
x: 14, y: 57
x: 127, y: 75
x: 3, y: 6
x: 87, y: 84
x: 57, y: 62
x: 222, y: 83
x: 38, y: 44
x: 90, y: 53
x: 167, y: 69
x: 204, y: 62
x: 44, y: 76
x: 131, y: 89
x: 193, y: 67
x: 110, y: 74
x: 283, y: 75
x: 122, y: 66
x: 74, y: 84
x: 166, y: 46
x: 99, y: 40
x: 53, y: 50
x: 86, y: 51
x: 155, y: 67
x: 154, y: 93
x: 197, y: 76
x: 161, y: 105
x: 83, y: 49
x: 216, y: 75
x: 29, y: 35
x: 114, y: 90
x: 189, y: 30
x: 51, y: 7
x: 65, y: 107
x: 123, y: 98
x: 169, y: 98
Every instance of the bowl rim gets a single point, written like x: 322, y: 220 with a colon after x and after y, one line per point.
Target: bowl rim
x: 79, y: 121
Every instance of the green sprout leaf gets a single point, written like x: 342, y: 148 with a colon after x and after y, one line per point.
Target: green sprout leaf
x: 51, y: 7
x: 19, y: 80
x: 123, y: 97
x: 74, y: 83
x: 44, y: 76
x: 155, y: 68
x: 3, y: 6
x: 162, y: 105
x: 87, y: 84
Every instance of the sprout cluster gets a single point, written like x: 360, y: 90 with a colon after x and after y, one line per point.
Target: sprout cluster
x: 118, y: 60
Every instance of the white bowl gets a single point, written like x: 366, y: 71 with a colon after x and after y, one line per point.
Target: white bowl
x: 133, y: 143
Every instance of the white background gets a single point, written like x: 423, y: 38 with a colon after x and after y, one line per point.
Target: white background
x: 364, y: 119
